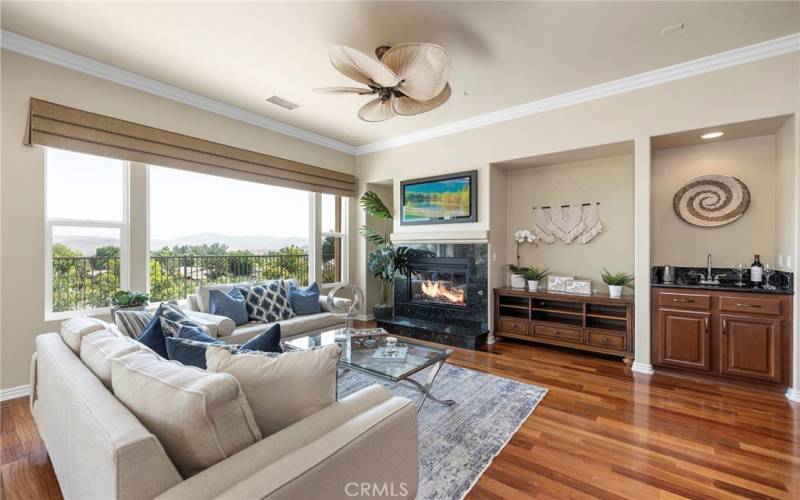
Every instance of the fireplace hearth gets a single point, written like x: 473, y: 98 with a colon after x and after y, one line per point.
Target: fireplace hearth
x: 444, y: 297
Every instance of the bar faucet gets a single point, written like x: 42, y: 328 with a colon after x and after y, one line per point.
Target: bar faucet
x: 708, y: 279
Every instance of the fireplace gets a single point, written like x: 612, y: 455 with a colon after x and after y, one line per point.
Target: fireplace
x: 438, y: 282
x: 444, y: 296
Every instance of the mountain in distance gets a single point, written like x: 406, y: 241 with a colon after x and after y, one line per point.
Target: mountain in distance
x: 256, y: 244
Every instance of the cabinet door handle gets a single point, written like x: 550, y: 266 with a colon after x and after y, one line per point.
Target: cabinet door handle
x: 688, y: 301
x: 748, y: 305
x: 605, y: 340
x: 724, y: 326
x: 706, y: 321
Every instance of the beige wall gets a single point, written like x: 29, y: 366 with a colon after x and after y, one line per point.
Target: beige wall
x: 677, y: 243
x: 757, y: 90
x: 22, y: 180
x: 785, y: 216
x: 606, y: 180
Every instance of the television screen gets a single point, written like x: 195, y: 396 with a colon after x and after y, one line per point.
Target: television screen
x: 439, y: 200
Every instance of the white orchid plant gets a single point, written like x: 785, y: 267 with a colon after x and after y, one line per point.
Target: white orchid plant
x: 521, y: 237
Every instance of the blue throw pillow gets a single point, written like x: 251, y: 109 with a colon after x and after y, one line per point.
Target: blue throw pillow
x: 185, y: 331
x: 153, y: 335
x: 191, y: 352
x: 304, y: 301
x: 268, y: 341
x: 231, y: 305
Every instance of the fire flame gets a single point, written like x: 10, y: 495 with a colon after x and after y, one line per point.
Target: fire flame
x: 438, y: 289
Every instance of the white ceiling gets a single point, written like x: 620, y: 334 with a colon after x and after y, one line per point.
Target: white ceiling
x: 503, y: 54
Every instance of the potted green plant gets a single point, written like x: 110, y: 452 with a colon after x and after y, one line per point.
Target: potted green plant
x: 533, y: 276
x: 128, y: 300
x: 616, y: 282
x: 386, y: 259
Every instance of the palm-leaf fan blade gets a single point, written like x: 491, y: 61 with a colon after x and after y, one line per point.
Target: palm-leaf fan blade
x: 405, y: 106
x: 360, y: 67
x: 422, y: 68
x: 377, y: 110
x: 343, y: 90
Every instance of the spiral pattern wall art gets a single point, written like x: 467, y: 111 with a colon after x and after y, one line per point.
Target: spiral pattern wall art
x: 711, y: 200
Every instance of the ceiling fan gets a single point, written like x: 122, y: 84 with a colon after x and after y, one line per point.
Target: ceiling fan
x: 408, y: 79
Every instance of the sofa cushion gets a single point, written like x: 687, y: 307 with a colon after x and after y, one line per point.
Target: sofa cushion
x: 281, y: 388
x: 153, y: 335
x: 215, y: 326
x: 132, y: 323
x: 269, y: 302
x: 267, y: 341
x: 73, y: 330
x: 291, y: 327
x: 304, y: 301
x: 203, y: 291
x: 100, y: 347
x: 199, y: 417
x: 231, y: 305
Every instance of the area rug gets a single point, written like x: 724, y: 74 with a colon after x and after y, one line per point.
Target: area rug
x: 457, y: 443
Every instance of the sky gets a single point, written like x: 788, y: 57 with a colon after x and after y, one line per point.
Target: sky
x: 181, y: 203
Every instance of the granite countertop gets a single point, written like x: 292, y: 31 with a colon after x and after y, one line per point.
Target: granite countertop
x: 727, y: 287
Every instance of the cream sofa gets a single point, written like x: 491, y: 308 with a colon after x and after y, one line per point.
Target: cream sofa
x: 100, y: 450
x: 227, y: 331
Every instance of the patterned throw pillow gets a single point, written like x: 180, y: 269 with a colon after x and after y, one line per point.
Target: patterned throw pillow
x: 269, y: 302
x: 153, y: 335
x: 184, y: 331
x: 132, y: 323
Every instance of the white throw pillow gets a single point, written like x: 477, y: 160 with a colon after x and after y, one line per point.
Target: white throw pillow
x: 200, y: 417
x: 99, y: 348
x: 73, y: 330
x: 282, y: 388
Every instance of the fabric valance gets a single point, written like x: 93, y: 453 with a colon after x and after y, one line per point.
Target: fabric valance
x: 68, y: 128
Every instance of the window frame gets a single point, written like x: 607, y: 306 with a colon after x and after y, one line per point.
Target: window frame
x: 124, y: 250
x: 343, y: 204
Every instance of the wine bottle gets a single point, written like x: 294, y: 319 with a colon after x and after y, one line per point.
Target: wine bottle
x: 756, y: 270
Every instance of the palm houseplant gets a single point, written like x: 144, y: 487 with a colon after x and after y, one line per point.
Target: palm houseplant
x: 128, y: 300
x: 533, y: 275
x: 616, y: 282
x: 385, y: 260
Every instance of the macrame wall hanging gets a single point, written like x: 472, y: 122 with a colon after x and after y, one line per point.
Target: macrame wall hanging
x: 567, y: 223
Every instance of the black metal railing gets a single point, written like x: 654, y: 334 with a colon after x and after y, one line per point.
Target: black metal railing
x: 90, y: 282
x: 84, y: 282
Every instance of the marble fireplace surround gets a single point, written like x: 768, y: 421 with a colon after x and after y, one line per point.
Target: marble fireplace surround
x: 461, y: 326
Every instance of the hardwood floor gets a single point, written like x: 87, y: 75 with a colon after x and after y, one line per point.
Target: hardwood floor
x: 600, y: 432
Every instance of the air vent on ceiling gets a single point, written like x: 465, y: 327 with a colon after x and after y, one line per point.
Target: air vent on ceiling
x: 280, y: 101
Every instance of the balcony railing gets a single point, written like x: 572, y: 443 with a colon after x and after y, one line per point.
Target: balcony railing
x: 90, y: 282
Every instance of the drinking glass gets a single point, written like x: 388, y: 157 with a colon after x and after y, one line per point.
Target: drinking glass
x: 768, y: 272
x: 740, y: 270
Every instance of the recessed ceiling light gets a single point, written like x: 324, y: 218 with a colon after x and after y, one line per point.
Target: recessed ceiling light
x: 712, y: 135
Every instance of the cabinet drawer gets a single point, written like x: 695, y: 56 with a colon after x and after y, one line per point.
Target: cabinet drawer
x: 750, y: 305
x: 519, y: 326
x: 565, y: 334
x: 609, y: 340
x: 684, y: 300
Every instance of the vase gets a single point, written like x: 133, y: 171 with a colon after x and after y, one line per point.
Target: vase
x: 615, y: 291
x: 114, y: 310
x: 382, y: 311
x: 533, y: 285
x: 517, y: 281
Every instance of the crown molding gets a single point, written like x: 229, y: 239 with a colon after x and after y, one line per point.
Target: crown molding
x: 38, y: 50
x: 751, y: 53
x: 735, y: 57
x: 15, y: 392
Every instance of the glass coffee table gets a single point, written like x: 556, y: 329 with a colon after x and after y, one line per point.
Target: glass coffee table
x: 358, y: 353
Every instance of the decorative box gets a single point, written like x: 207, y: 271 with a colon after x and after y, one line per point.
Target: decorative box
x: 558, y: 283
x: 580, y: 287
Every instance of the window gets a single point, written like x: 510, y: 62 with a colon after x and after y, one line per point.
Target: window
x: 86, y: 231
x: 207, y: 229
x: 333, y: 238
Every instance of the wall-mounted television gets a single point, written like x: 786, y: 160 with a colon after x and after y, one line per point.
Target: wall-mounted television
x: 444, y: 199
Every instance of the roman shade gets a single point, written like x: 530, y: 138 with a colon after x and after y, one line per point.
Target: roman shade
x: 68, y: 128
